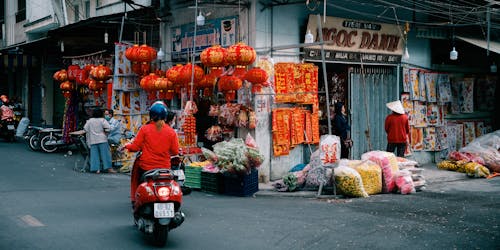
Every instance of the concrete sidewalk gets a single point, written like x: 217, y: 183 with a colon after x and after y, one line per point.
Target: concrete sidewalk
x: 431, y: 174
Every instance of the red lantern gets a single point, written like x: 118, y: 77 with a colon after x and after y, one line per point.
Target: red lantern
x: 145, y: 68
x: 173, y: 73
x: 240, y: 54
x: 97, y: 87
x: 82, y: 76
x: 131, y: 53
x: 101, y: 73
x: 73, y: 71
x: 147, y: 82
x: 229, y: 83
x: 162, y: 84
x: 61, y: 75
x: 215, y: 58
x: 66, y: 88
x: 257, y: 77
x: 145, y: 54
x: 136, y: 68
x: 187, y: 71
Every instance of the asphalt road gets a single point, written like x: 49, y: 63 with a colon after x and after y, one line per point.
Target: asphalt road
x: 45, y: 204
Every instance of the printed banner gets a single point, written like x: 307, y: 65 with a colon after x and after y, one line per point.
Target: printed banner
x: 420, y: 114
x: 469, y: 132
x: 444, y: 88
x: 408, y: 106
x: 441, y: 138
x: 406, y: 80
x: 422, y: 83
x: 430, y: 86
x: 456, y: 90
x: 414, y: 83
x: 417, y: 139
x: 430, y: 139
x: 468, y: 96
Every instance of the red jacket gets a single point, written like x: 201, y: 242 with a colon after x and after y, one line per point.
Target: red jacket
x: 397, y: 128
x: 156, y: 146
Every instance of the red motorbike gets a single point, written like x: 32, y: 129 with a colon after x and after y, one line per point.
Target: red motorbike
x: 157, y: 206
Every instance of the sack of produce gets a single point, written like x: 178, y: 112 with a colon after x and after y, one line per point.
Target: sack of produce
x: 349, y: 181
x: 231, y: 156
x: 389, y: 165
x: 329, y: 149
x: 255, y: 158
x: 370, y: 173
x: 404, y: 182
x: 476, y: 170
x: 209, y: 155
x: 448, y: 165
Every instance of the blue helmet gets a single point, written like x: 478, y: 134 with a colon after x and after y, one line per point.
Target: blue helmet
x: 158, y: 111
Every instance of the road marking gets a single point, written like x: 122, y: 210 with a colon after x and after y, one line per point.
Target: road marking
x: 31, y: 221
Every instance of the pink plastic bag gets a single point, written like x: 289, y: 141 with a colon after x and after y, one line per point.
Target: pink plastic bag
x: 389, y: 165
x: 404, y: 182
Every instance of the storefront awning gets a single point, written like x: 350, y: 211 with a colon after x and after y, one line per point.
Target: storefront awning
x: 493, y: 46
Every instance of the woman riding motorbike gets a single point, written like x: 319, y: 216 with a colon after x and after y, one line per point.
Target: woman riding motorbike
x: 157, y: 141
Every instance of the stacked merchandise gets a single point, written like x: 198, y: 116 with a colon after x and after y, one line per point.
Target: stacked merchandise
x: 416, y: 173
x: 478, y: 159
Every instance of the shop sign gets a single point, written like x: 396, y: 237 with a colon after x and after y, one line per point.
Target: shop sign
x: 222, y: 31
x: 356, y: 41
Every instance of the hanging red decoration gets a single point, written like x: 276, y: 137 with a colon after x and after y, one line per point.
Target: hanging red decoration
x: 145, y: 54
x: 131, y: 53
x: 73, y: 71
x: 173, y: 74
x: 162, y: 84
x: 147, y: 82
x: 187, y: 71
x: 66, y: 88
x: 240, y: 54
x: 61, y: 75
x: 229, y: 85
x: 258, y: 78
x: 97, y: 87
x: 145, y: 68
x: 82, y: 76
x: 215, y: 58
x: 101, y: 73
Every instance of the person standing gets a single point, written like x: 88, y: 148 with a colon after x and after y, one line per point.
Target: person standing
x: 397, y: 128
x: 96, y: 129
x: 342, y: 129
x: 157, y: 141
x: 115, y: 127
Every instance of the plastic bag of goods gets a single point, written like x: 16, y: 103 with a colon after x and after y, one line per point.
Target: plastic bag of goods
x: 448, y: 165
x: 404, y: 182
x: 370, y: 173
x: 209, y: 155
x: 329, y: 146
x: 231, y: 156
x: 405, y: 163
x: 255, y: 158
x: 476, y: 170
x: 389, y: 165
x: 316, y: 176
x: 349, y: 181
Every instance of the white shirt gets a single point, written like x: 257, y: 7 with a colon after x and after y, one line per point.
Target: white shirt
x: 96, y: 129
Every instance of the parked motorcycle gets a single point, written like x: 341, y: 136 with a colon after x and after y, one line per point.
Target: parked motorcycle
x: 157, y: 206
x: 51, y: 139
x: 8, y: 129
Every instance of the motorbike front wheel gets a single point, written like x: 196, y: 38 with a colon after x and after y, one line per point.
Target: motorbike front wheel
x: 44, y: 143
x: 160, y: 235
x: 34, y: 142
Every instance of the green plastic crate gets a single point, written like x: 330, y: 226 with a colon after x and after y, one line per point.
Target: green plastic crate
x: 193, y: 177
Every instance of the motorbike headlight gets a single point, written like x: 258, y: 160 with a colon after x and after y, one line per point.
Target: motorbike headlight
x: 163, y: 191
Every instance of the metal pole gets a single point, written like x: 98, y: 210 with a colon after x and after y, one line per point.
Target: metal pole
x: 323, y: 64
x: 194, y: 51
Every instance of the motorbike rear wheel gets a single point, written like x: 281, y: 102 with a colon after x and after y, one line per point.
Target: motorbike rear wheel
x: 160, y: 235
x: 48, y: 148
x: 34, y: 142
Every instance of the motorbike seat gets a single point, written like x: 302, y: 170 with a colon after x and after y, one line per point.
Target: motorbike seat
x: 48, y: 130
x: 155, y: 174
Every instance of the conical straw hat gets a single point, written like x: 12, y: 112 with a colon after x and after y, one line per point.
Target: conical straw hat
x: 396, y: 106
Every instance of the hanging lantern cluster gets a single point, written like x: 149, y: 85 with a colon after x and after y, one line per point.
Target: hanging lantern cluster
x: 148, y: 84
x: 65, y: 85
x: 141, y: 58
x: 258, y: 78
x: 98, y: 76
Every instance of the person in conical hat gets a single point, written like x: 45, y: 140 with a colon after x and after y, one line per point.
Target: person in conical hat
x: 397, y: 128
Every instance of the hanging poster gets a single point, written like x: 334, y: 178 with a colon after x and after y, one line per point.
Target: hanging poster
x: 456, y: 91
x: 486, y: 93
x: 480, y: 128
x: 430, y: 86
x: 442, y: 112
x: 444, y: 88
x: 467, y: 95
x: 451, y: 131
x: 420, y: 114
x: 441, y: 138
x: 432, y: 114
x: 415, y: 89
x: 421, y: 85
x: 406, y: 80
x: 429, y: 138
x: 417, y: 139
x: 469, y: 132
x: 460, y: 135
x: 408, y: 106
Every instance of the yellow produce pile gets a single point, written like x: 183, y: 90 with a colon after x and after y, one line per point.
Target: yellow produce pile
x: 470, y: 168
x: 200, y: 164
x: 349, y: 182
x: 370, y: 173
